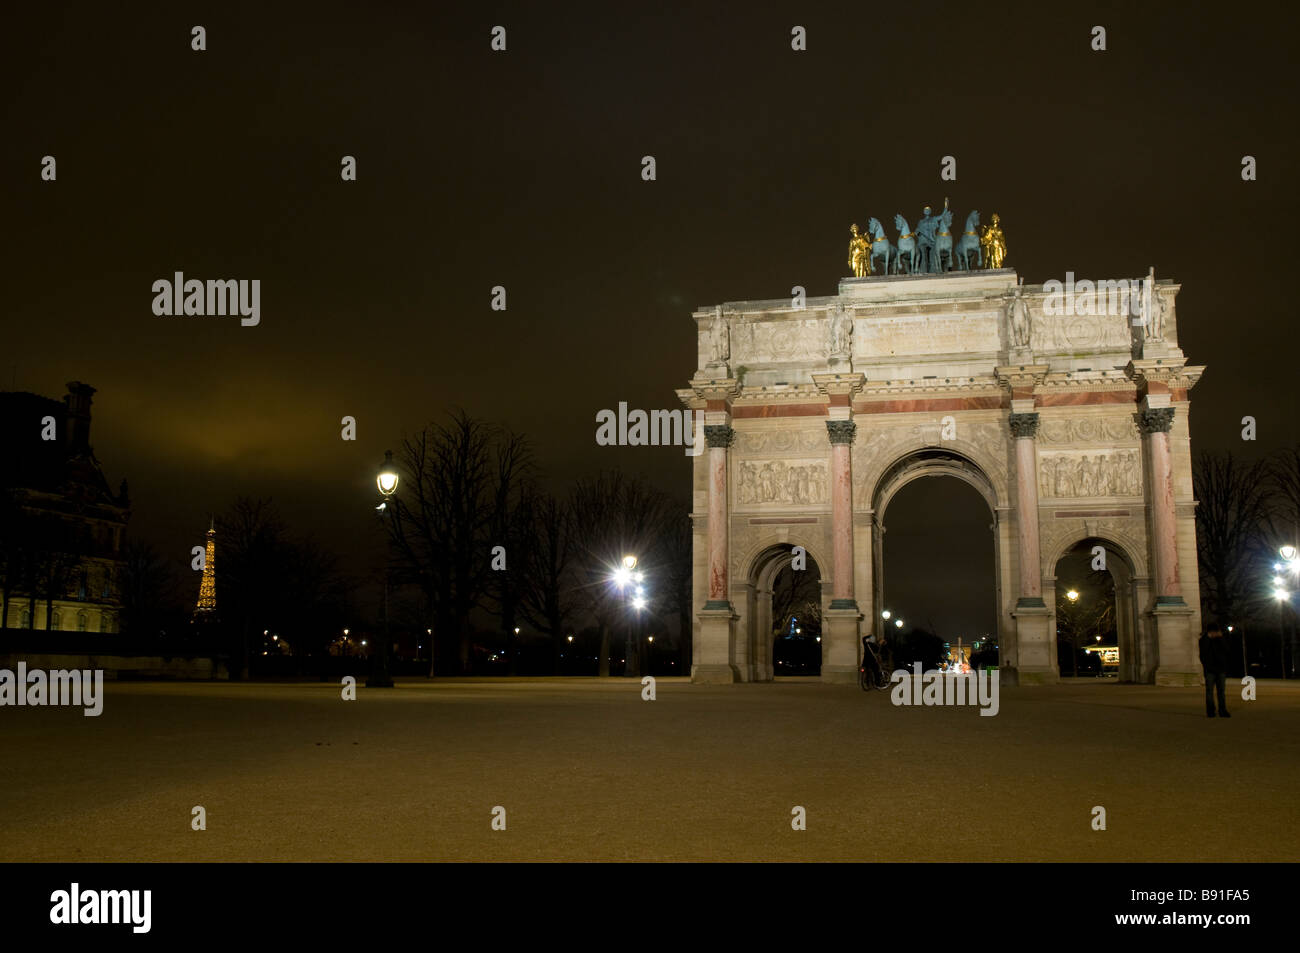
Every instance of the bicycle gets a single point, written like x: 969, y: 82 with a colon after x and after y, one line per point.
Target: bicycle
x: 873, y: 675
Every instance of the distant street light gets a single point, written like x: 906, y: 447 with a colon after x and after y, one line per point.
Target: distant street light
x: 1072, y: 596
x: 898, y: 623
x: 886, y: 614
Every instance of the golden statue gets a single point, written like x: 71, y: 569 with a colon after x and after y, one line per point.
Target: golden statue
x: 993, y: 243
x: 859, y: 253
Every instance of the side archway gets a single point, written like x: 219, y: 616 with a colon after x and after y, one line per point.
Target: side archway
x: 1138, y: 654
x: 755, y: 649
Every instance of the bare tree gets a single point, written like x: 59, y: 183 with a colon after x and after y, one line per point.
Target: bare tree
x: 509, y: 527
x: 1081, y: 618
x: 1232, y: 523
x: 677, y: 585
x: 796, y: 594
x: 460, y: 479
x: 546, y: 597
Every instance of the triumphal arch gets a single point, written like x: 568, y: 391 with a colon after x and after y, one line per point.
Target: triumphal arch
x: 1064, y: 404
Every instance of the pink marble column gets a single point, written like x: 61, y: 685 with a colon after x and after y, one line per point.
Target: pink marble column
x: 1024, y: 427
x: 718, y: 439
x: 841, y: 435
x: 1156, y: 424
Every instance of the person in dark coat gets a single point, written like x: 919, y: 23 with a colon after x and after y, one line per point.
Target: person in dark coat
x: 1214, y: 662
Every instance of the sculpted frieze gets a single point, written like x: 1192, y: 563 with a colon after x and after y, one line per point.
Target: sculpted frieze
x: 1105, y: 473
x: 795, y: 482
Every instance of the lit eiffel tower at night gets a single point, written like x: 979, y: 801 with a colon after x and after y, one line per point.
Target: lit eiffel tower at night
x: 206, y: 609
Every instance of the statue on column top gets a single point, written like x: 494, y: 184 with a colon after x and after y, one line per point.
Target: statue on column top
x: 859, y: 253
x: 719, y: 338
x: 993, y: 243
x: 1154, y: 309
x: 1018, y: 317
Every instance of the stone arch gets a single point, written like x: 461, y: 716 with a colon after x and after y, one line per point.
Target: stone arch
x: 878, y: 456
x: 1133, y: 555
x: 931, y: 461
x: 753, y: 658
x: 1138, y: 654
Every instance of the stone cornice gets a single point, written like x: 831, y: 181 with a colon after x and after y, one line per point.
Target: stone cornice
x: 963, y: 386
x: 718, y: 389
x: 1022, y: 375
x: 779, y: 394
x: 1159, y: 370
x: 1075, y: 381
x: 830, y: 384
x: 689, y: 398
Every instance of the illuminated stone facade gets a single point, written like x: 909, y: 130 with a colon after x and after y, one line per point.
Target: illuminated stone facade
x: 1072, y: 426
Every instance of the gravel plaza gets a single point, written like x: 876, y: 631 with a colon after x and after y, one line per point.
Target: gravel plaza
x: 587, y: 770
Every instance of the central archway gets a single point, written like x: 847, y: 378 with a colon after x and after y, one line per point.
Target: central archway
x: 942, y: 462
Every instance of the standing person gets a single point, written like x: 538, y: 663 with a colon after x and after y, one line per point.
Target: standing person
x: 1214, y: 661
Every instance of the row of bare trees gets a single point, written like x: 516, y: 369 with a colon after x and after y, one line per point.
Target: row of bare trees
x: 473, y: 528
x: 36, y: 560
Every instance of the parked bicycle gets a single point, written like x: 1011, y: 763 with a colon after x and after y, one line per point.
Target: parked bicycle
x: 873, y: 672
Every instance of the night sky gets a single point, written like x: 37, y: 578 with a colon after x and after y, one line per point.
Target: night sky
x: 522, y: 169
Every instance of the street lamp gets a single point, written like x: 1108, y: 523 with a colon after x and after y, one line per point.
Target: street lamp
x: 1072, y: 596
x: 386, y: 480
x: 898, y: 623
x: 886, y: 614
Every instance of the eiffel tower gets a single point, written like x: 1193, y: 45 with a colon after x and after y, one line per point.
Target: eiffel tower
x: 206, y: 610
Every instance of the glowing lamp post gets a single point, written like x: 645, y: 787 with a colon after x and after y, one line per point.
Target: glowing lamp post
x: 386, y: 480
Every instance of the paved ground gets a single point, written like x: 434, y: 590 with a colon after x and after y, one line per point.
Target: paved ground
x: 587, y: 770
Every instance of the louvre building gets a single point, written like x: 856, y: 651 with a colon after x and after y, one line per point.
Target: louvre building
x: 61, y: 526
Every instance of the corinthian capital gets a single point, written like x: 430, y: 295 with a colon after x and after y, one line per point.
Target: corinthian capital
x: 718, y: 436
x: 1156, y: 420
x: 841, y: 431
x: 1024, y: 425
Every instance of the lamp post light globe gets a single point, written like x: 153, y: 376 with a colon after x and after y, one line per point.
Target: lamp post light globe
x: 886, y: 615
x: 898, y: 623
x: 1072, y: 596
x: 387, y: 478
x: 629, y: 563
x: 1287, y: 552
